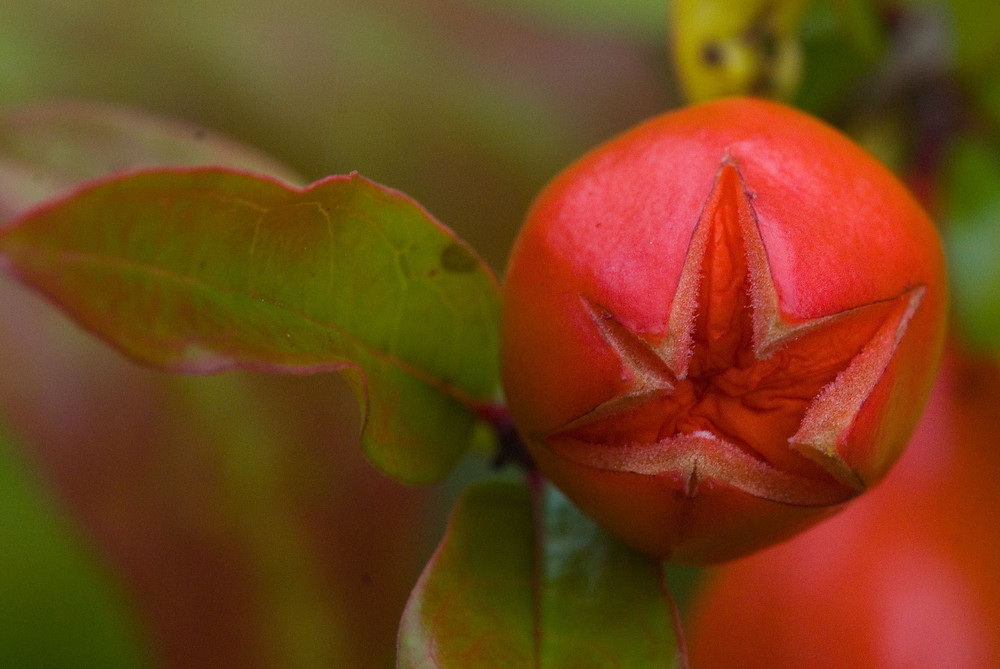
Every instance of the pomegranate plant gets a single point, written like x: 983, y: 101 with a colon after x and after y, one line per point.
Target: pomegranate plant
x: 714, y: 331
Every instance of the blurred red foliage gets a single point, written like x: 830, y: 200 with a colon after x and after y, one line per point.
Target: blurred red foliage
x: 905, y: 577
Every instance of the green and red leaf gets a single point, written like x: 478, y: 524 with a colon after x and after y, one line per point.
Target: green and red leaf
x: 523, y: 579
x: 204, y: 270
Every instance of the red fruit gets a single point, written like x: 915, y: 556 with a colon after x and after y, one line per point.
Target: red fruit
x: 720, y: 326
x: 907, y: 577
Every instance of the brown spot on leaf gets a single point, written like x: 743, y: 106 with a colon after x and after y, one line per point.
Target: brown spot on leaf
x: 711, y: 54
x: 457, y: 258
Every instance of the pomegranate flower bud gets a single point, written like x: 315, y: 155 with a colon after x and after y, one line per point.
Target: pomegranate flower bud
x: 721, y: 326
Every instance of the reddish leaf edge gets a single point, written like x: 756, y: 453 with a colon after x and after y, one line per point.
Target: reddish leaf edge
x: 411, y: 612
x: 534, y: 485
x: 492, y: 411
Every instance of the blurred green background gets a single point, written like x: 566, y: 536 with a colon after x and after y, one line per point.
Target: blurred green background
x: 466, y: 105
x: 148, y: 520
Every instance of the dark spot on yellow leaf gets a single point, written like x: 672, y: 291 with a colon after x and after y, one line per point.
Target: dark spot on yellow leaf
x: 711, y: 54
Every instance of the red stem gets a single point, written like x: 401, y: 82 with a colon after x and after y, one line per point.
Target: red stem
x: 675, y: 614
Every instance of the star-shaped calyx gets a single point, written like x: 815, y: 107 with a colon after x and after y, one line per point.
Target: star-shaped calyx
x: 734, y: 391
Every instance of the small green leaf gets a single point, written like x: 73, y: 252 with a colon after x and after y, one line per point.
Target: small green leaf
x: 203, y: 270
x: 971, y: 199
x: 48, y: 147
x: 523, y: 579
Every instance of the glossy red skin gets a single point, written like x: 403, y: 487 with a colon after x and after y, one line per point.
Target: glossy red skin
x: 839, y: 231
x: 906, y: 577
